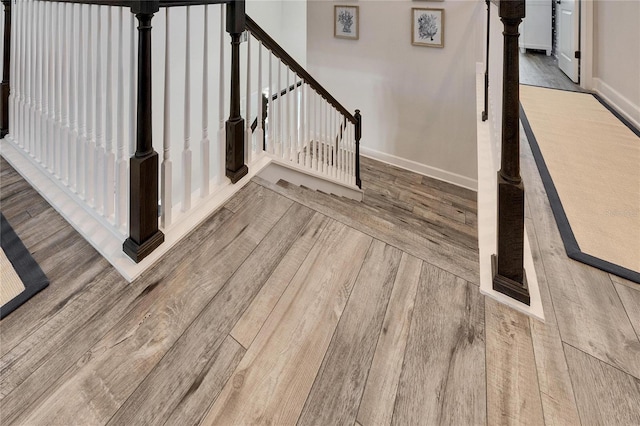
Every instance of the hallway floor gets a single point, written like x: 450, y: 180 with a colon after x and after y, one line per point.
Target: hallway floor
x: 292, y: 306
x: 538, y: 69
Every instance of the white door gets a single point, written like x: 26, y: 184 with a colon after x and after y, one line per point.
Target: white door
x: 568, y: 37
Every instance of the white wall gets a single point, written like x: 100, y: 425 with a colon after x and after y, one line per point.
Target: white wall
x: 418, y: 103
x: 616, y: 65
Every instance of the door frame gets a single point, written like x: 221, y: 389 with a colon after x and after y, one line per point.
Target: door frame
x: 586, y: 43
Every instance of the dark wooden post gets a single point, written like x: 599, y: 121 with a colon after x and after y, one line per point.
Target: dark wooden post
x: 485, y: 113
x: 358, y: 136
x: 144, y: 236
x: 5, y: 88
x: 265, y: 111
x: 235, y: 167
x: 509, y: 275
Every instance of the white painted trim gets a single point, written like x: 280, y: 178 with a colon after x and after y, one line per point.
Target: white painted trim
x: 617, y: 101
x: 101, y: 237
x: 297, y: 175
x: 480, y: 67
x: 487, y: 220
x: 420, y: 168
x: 586, y: 44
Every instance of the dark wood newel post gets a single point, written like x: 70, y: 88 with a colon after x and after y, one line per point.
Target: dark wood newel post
x: 144, y: 236
x: 5, y: 89
x: 235, y: 167
x: 358, y: 136
x: 509, y: 275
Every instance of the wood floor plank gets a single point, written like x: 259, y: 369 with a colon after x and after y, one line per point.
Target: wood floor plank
x: 274, y: 378
x: 513, y: 394
x: 254, y: 317
x: 631, y: 301
x: 443, y: 377
x: 376, y: 407
x: 81, y: 336
x: 53, y: 329
x: 185, y: 363
x: 605, y: 395
x: 589, y: 312
x: 210, y: 382
x: 241, y: 197
x: 556, y: 391
x: 120, y: 361
x: 337, y: 390
x: 68, y: 276
x: 618, y: 280
x: 439, y: 254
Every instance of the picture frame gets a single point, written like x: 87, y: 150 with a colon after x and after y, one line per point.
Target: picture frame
x: 427, y: 27
x: 346, y: 22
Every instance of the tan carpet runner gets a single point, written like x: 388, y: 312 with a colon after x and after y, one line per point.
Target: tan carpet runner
x: 594, y: 162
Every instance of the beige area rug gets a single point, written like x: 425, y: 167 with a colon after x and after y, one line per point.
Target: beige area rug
x: 589, y: 160
x: 10, y: 283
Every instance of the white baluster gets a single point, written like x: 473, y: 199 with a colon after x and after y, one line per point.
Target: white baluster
x: 57, y: 36
x: 302, y: 142
x: 21, y: 73
x: 82, y: 112
x: 306, y: 126
x: 294, y: 140
x: 314, y: 142
x: 204, y: 145
x: 286, y: 154
x: 51, y: 83
x: 335, y: 134
x: 90, y: 149
x: 99, y: 159
x: 122, y: 190
x: 166, y: 172
x: 73, y: 101
x: 29, y: 79
x: 64, y: 95
x: 15, y: 58
x: 248, y: 144
x: 259, y: 129
x: 280, y: 121
x: 222, y: 141
x: 186, y: 152
x: 38, y: 94
x: 110, y: 157
x: 12, y: 69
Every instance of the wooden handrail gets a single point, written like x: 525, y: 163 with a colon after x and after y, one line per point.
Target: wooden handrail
x: 279, y: 52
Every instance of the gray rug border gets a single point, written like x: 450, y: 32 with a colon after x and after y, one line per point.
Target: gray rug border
x: 26, y: 267
x: 568, y: 238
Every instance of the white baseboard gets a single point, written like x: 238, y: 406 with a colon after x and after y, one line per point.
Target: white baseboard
x: 300, y: 176
x: 619, y: 102
x: 420, y: 168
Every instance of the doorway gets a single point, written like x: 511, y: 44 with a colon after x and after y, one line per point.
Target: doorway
x: 550, y: 44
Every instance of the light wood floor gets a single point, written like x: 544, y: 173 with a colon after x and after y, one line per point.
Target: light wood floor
x: 538, y: 69
x: 291, y: 306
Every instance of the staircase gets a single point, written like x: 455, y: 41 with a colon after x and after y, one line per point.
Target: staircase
x: 424, y: 217
x: 79, y: 89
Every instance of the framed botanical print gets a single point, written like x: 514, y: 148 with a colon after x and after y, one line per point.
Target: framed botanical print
x: 427, y: 27
x: 346, y: 22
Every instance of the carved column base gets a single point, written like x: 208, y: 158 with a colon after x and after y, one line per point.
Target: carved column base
x: 144, y: 235
x: 235, y: 167
x: 137, y: 252
x: 507, y: 286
